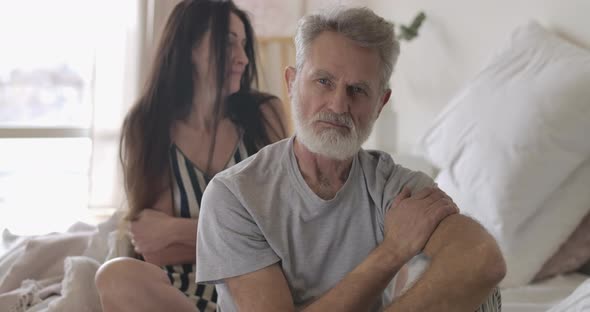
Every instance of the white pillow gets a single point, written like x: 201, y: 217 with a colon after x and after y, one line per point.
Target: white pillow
x: 537, y: 240
x: 511, y: 138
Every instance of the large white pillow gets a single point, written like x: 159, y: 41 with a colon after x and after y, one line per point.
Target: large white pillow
x: 512, y: 138
x: 537, y: 239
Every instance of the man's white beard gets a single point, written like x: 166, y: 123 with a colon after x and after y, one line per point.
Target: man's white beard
x: 330, y: 142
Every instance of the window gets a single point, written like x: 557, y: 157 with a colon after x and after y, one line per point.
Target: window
x: 67, y: 75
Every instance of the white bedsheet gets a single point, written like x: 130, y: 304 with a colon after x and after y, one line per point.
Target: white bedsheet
x: 549, y: 294
x: 55, y: 272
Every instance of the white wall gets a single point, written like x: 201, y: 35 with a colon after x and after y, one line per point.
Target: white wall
x: 455, y: 41
x: 271, y: 18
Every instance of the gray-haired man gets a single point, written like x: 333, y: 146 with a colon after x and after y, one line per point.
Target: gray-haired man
x: 314, y: 222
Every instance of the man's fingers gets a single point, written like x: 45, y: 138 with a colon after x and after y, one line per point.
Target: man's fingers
x: 445, y: 194
x: 442, y: 209
x: 435, y: 196
x: 423, y: 193
x: 403, y: 194
x: 440, y: 202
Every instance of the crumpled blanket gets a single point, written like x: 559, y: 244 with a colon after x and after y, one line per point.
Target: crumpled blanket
x: 55, y: 272
x: 579, y: 300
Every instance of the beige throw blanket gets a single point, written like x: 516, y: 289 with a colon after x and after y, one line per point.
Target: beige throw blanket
x: 55, y: 272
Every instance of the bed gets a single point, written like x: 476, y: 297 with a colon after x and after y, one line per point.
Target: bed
x: 512, y: 149
x: 548, y: 294
x: 55, y: 272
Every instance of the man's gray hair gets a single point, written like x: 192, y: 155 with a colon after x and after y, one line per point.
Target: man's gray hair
x: 360, y: 25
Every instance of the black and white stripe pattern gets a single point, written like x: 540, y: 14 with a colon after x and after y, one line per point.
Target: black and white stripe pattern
x: 493, y: 303
x: 188, y: 187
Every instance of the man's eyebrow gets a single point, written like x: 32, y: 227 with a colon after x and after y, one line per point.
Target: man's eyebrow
x: 326, y: 74
x: 322, y: 73
x: 362, y: 84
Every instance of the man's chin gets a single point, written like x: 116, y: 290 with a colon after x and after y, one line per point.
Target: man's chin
x: 330, y: 150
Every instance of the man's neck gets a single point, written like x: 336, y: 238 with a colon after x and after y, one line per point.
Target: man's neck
x: 325, y: 176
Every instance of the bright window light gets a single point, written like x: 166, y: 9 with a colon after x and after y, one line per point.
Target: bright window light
x: 66, y: 77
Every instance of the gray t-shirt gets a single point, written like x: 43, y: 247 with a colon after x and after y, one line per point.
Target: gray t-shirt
x: 261, y: 211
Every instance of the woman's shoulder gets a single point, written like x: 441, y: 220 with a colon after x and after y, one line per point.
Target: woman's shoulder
x: 254, y: 106
x: 272, y: 107
x: 276, y: 118
x: 254, y: 97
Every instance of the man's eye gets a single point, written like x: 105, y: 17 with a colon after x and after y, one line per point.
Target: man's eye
x: 358, y: 90
x: 323, y: 81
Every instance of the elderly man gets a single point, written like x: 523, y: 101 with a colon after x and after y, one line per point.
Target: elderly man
x: 314, y: 222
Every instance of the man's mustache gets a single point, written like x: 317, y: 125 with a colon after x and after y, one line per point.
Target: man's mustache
x: 343, y: 119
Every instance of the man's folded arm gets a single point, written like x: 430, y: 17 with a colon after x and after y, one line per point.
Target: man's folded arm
x: 267, y: 290
x: 466, y: 265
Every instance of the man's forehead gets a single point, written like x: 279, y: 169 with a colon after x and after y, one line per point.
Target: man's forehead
x: 334, y: 54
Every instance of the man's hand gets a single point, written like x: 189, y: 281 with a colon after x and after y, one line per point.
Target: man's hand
x: 411, y: 219
x: 147, y: 232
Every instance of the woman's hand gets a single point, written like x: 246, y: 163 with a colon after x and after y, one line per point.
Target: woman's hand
x: 149, y: 232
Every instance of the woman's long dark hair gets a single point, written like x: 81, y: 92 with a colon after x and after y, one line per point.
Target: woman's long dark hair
x: 168, y: 93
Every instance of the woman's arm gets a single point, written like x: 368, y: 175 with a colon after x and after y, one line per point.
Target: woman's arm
x: 163, y: 239
x: 160, y: 237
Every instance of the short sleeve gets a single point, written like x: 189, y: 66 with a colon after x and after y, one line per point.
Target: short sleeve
x: 229, y: 242
x: 398, y: 178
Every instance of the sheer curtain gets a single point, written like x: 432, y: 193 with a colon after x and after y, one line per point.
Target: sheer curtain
x: 66, y: 81
x: 122, y: 64
x: 116, y: 84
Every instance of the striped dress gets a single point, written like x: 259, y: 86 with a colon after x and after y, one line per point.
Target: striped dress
x: 188, y: 186
x: 493, y: 303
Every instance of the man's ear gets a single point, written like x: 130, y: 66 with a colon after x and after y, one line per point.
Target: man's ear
x: 384, y: 99
x: 290, y: 73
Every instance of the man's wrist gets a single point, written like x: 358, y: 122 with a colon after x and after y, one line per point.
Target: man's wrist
x: 389, y: 259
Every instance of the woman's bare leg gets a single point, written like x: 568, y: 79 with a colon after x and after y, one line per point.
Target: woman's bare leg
x: 126, y: 284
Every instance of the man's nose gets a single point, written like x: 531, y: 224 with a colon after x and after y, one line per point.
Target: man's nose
x: 339, y: 101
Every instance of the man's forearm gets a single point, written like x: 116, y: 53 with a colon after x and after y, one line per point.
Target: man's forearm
x: 444, y: 287
x: 466, y: 265
x: 361, y: 288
